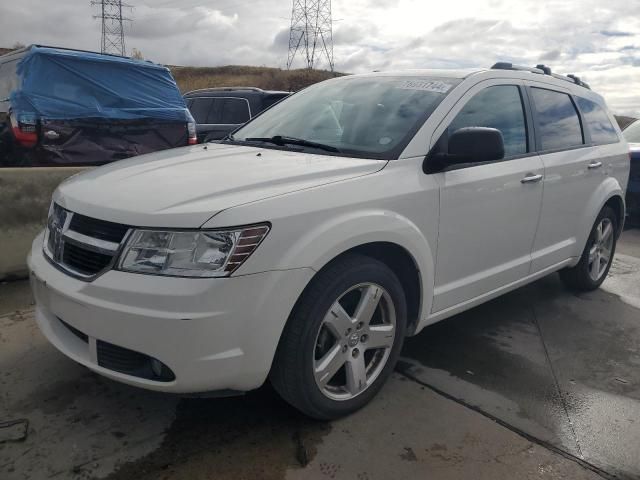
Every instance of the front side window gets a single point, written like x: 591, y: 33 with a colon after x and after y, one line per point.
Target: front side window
x: 498, y: 107
x: 598, y: 123
x: 368, y: 116
x: 558, y: 120
x: 632, y: 132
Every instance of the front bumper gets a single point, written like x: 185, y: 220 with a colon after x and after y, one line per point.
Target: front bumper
x: 213, y: 334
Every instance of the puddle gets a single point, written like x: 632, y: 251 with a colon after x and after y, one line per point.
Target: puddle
x: 254, y: 436
x: 624, y: 279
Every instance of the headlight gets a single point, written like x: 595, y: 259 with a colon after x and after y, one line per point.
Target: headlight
x: 195, y: 253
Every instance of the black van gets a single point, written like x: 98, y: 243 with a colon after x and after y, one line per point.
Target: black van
x: 70, y: 107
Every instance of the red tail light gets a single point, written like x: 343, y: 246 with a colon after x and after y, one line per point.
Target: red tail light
x: 24, y: 129
x: 191, y: 128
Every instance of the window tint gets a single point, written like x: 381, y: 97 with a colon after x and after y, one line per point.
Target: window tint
x: 235, y: 110
x: 497, y: 107
x: 558, y: 119
x: 200, y: 109
x: 597, y: 121
x: 213, y: 118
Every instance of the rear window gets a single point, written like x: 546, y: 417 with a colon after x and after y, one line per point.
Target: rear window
x: 219, y: 110
x: 598, y: 123
x: 558, y: 120
x: 235, y: 111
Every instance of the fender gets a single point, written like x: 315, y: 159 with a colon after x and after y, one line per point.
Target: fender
x: 608, y: 189
x: 344, y: 232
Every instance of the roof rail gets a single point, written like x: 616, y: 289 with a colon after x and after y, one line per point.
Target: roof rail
x: 577, y: 80
x: 544, y: 68
x: 511, y: 66
x: 223, y: 89
x: 540, y: 69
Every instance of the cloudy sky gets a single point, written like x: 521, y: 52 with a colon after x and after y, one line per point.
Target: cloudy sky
x: 598, y: 40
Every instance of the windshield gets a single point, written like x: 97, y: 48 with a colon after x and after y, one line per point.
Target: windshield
x: 370, y: 117
x: 632, y: 132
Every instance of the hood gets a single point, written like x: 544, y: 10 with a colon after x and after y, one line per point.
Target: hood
x: 183, y: 188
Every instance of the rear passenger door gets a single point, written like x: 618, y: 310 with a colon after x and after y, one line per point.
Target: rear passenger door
x: 488, y: 211
x: 573, y: 171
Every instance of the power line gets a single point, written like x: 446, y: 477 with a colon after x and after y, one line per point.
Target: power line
x: 311, y: 32
x: 110, y: 12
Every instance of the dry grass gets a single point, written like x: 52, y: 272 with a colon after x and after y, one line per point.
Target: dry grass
x: 193, y: 78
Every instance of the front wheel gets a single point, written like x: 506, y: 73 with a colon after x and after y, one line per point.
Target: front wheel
x: 343, y: 339
x: 597, y: 256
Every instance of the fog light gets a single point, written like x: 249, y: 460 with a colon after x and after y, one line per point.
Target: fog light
x: 156, y: 367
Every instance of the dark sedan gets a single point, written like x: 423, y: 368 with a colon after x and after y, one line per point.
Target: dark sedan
x: 632, y: 134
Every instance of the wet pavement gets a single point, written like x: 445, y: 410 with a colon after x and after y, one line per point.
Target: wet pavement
x: 539, y: 383
x: 560, y: 367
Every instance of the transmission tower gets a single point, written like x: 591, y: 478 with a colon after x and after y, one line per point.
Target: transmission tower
x: 311, y: 32
x: 110, y: 12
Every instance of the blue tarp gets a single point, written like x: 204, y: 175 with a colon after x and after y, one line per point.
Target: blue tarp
x: 60, y: 84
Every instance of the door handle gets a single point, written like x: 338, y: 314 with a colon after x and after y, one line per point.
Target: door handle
x: 594, y: 165
x: 531, y: 178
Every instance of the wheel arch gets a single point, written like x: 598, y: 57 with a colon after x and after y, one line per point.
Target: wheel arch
x: 608, y: 193
x: 403, y: 265
x: 380, y: 234
x: 616, y: 202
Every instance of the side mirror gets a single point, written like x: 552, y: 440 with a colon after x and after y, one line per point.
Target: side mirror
x: 475, y: 145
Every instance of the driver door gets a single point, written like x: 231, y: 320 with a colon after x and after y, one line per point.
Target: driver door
x: 488, y: 211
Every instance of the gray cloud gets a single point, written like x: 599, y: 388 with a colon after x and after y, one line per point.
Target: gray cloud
x: 550, y: 56
x: 368, y: 35
x: 613, y: 33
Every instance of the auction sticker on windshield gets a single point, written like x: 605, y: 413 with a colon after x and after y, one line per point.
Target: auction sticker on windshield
x: 427, y: 85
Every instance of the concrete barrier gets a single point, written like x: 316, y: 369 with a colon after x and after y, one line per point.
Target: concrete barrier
x: 25, y: 195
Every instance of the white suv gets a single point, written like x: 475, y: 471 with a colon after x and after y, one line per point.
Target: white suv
x: 308, y: 244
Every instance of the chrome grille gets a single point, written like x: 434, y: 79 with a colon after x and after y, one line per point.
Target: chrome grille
x: 109, y: 231
x: 82, y: 246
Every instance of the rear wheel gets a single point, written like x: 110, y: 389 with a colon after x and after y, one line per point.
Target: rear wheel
x: 597, y: 256
x: 343, y: 338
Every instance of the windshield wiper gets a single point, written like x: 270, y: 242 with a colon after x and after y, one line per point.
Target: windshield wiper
x: 282, y: 140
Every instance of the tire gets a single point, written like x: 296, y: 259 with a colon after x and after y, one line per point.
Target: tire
x: 318, y: 330
x: 583, y: 276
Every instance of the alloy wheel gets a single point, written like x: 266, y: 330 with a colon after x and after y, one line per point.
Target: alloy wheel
x: 354, y: 341
x: 600, y: 251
